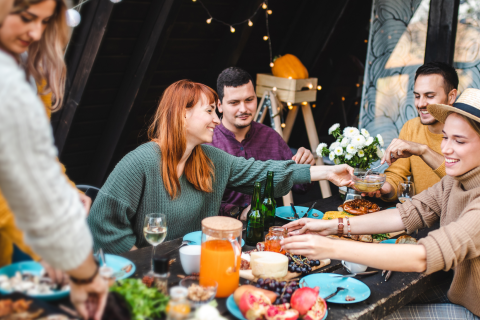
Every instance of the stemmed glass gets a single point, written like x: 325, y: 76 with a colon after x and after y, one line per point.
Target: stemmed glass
x: 155, y: 231
x: 406, y: 191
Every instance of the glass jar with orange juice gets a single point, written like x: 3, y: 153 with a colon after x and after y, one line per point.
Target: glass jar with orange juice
x: 221, y: 252
x: 273, y: 238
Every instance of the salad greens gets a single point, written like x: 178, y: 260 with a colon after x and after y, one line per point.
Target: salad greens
x: 381, y: 236
x: 145, y: 302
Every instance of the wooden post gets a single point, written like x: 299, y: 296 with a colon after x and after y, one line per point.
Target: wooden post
x: 313, y: 139
x: 262, y: 116
x: 275, y: 115
x: 292, y: 115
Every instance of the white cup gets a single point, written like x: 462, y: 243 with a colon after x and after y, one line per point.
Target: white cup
x: 190, y: 259
x: 354, y: 267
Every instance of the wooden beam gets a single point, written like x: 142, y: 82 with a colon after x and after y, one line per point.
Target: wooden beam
x: 442, y: 30
x: 130, y: 89
x: 90, y: 37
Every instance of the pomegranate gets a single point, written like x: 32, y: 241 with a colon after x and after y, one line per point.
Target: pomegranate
x: 281, y: 312
x: 304, y: 298
x: 253, y: 305
x: 317, y: 312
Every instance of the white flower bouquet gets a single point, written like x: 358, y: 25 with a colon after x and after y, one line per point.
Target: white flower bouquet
x: 354, y: 147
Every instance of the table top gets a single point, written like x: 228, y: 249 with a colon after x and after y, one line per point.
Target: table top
x: 385, y: 298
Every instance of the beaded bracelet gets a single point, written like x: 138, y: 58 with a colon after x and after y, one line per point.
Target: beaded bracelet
x: 340, y: 227
x: 348, y: 227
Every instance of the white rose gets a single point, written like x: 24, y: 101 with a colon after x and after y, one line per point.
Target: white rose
x: 380, y: 152
x: 338, y: 151
x: 369, y: 141
x: 350, y: 132
x: 320, y: 148
x: 358, y: 141
x: 380, y: 140
x: 361, y: 153
x: 334, y: 145
x: 365, y: 133
x: 351, y: 149
x: 331, y: 156
x: 333, y: 128
x: 349, y: 156
x: 345, y: 142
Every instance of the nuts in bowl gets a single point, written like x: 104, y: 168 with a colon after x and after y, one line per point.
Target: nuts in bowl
x: 199, y: 294
x: 370, y: 183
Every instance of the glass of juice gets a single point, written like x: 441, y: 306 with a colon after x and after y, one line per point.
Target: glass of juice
x: 221, y: 254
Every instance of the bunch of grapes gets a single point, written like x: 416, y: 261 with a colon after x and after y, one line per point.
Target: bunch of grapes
x: 283, y: 289
x: 301, y: 264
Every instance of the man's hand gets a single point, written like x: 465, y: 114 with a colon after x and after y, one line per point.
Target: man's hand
x: 243, y: 216
x: 402, y: 149
x: 386, y: 190
x: 90, y: 299
x: 57, y: 276
x: 304, y: 156
x: 341, y: 175
x: 311, y: 226
x: 86, y: 201
x: 311, y: 246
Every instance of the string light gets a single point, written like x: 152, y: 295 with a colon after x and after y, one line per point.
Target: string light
x: 265, y: 38
x: 289, y: 104
x: 343, y: 98
x: 358, y: 85
x: 194, y: 0
x: 319, y: 88
x: 274, y: 88
x: 289, y: 77
x: 232, y: 29
x: 209, y: 20
x: 310, y: 86
x: 269, y: 11
x: 314, y: 105
x: 250, y: 23
x: 73, y: 18
x: 271, y: 64
x: 304, y: 103
x: 290, y: 107
x: 264, y: 5
x: 283, y: 125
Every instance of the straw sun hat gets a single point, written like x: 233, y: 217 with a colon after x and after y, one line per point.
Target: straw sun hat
x: 468, y: 104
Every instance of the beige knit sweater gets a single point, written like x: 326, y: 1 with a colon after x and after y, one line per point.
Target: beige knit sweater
x: 456, y: 245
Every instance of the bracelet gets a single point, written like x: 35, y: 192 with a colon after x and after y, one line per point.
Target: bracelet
x: 88, y: 280
x: 348, y: 227
x: 340, y: 227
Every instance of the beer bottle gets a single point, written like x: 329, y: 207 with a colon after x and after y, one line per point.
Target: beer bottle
x: 255, y: 219
x: 269, y: 204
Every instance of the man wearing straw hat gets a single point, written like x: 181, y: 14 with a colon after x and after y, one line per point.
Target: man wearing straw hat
x: 417, y: 152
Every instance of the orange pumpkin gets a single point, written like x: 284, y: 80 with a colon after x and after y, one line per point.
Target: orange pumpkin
x: 289, y: 66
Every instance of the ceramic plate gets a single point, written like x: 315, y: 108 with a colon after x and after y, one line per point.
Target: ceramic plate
x: 196, y: 237
x: 284, y: 212
x: 328, y: 285
x: 117, y: 263
x: 389, y: 241
x: 233, y: 308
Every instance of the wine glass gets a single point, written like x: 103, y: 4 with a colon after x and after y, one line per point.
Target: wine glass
x: 406, y: 190
x: 155, y: 231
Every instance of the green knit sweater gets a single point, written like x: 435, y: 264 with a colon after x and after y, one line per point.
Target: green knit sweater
x: 135, y: 188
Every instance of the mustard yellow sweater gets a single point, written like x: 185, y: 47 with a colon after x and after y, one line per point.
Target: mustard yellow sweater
x: 423, y: 176
x: 9, y: 233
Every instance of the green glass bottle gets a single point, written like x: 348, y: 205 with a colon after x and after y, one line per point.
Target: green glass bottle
x: 269, y: 204
x: 255, y: 219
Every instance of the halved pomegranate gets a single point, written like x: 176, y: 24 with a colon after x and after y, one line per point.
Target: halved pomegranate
x: 281, y: 312
x: 253, y: 305
x: 317, y: 312
x: 304, y: 298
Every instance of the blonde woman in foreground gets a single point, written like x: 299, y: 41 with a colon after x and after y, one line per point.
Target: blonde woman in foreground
x: 455, y: 201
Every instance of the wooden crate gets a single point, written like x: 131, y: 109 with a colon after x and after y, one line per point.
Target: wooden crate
x: 288, y: 90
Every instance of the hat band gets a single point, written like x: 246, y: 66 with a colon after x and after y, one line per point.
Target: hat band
x: 467, y: 108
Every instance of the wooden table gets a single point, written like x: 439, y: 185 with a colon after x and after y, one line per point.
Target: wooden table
x: 385, y: 298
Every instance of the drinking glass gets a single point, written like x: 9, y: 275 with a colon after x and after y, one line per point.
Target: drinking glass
x: 155, y: 231
x: 406, y: 190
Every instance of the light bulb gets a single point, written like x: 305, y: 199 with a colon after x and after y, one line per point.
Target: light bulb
x: 209, y: 20
x: 343, y: 98
x: 115, y: 1
x: 269, y: 11
x: 73, y: 18
x: 283, y: 125
x: 194, y: 0
x: 290, y: 107
x: 319, y: 87
x: 358, y: 85
x: 250, y: 23
x: 314, y: 105
x: 289, y: 104
x: 304, y: 103
x: 232, y: 29
x: 271, y: 64
x: 264, y: 5
x: 265, y: 38
x: 274, y: 88
x: 365, y: 40
x: 289, y: 77
x: 310, y: 86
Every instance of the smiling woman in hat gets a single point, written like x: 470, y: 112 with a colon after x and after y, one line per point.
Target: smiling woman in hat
x: 454, y: 201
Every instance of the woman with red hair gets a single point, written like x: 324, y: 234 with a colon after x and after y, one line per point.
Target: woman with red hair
x: 176, y: 174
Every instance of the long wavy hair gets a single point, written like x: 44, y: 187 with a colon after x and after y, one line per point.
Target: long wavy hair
x: 169, y: 132
x: 45, y: 60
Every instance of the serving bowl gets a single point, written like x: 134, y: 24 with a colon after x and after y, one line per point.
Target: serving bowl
x: 211, y: 288
x: 370, y: 183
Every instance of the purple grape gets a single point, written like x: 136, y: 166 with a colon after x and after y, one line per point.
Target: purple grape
x: 289, y: 290
x: 293, y: 284
x: 261, y: 282
x: 284, y: 300
x: 271, y: 286
x: 283, y: 283
x: 287, y: 296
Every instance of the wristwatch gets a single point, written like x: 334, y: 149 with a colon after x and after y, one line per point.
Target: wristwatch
x: 88, y: 280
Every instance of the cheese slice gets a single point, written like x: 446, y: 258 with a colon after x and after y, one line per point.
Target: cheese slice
x: 267, y: 264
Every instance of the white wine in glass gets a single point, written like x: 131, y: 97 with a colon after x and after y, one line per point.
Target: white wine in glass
x: 155, y: 231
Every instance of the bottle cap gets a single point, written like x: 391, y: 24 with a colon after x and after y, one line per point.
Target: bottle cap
x: 161, y: 265
x: 178, y: 292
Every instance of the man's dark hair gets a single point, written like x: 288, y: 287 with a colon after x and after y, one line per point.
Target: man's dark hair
x: 450, y: 77
x: 231, y: 77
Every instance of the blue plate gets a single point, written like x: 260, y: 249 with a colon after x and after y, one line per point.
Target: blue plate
x: 328, y: 285
x: 391, y: 208
x: 389, y: 241
x: 117, y: 263
x: 196, y: 237
x: 284, y: 212
x: 235, y: 311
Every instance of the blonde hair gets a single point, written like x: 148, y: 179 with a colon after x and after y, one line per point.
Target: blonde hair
x: 45, y: 60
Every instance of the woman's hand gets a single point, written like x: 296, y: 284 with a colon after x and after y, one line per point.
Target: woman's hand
x: 311, y: 246
x: 307, y: 225
x: 90, y: 299
x: 341, y: 175
x: 57, y: 276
